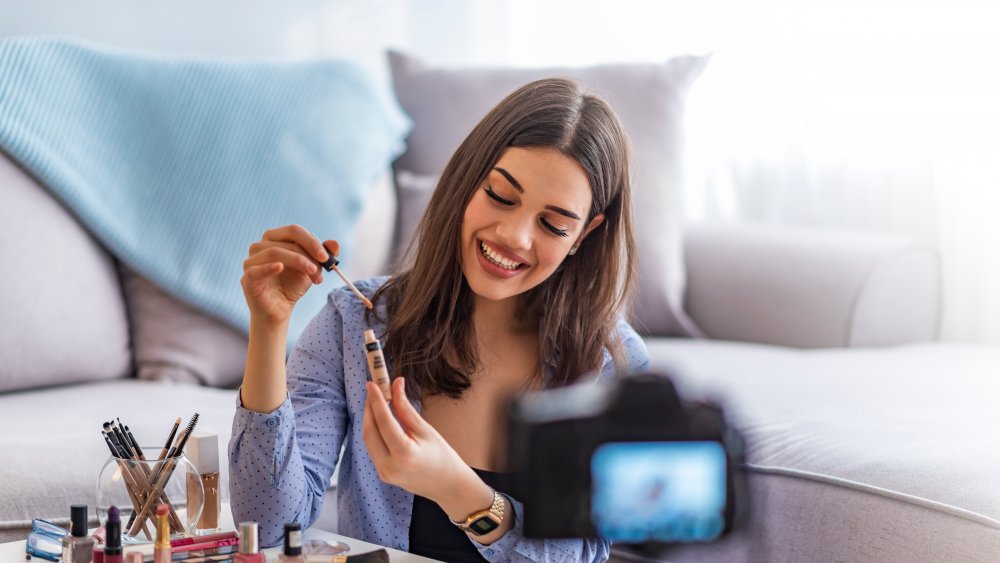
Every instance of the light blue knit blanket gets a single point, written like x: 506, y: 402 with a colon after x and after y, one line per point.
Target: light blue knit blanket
x: 178, y: 164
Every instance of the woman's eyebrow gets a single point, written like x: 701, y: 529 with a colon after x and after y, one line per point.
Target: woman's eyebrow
x: 510, y: 178
x: 519, y: 188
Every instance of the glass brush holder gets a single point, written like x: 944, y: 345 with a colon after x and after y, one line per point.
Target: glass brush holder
x: 137, y: 487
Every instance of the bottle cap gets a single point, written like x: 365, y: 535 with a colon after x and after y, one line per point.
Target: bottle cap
x: 202, y: 451
x: 293, y: 538
x: 78, y: 516
x: 248, y: 537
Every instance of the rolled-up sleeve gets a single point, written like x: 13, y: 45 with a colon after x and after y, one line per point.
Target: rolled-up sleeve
x: 281, y: 462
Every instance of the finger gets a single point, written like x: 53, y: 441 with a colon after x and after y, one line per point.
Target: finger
x: 289, y: 258
x: 300, y: 236
x: 377, y: 449
x: 408, y: 416
x: 392, y: 433
x: 256, y: 274
x: 259, y: 247
x: 332, y: 246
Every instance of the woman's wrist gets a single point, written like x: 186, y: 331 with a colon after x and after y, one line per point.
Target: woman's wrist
x: 465, y: 495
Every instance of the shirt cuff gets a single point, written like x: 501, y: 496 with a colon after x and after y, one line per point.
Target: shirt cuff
x: 281, y: 418
x: 502, y: 549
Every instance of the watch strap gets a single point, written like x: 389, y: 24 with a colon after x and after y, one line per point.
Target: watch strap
x: 496, y: 509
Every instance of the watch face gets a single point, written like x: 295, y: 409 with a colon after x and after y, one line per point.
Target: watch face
x: 483, y: 525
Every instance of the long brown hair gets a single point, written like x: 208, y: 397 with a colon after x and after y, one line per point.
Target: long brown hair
x: 429, y: 306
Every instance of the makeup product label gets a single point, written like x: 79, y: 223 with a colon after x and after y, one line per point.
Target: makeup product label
x: 376, y: 364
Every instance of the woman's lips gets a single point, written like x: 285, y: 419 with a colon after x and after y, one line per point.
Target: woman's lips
x: 492, y: 268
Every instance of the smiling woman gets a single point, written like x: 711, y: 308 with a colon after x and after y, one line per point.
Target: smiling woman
x: 523, y: 266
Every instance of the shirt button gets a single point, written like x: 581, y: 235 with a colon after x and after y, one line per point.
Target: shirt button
x: 272, y: 422
x: 489, y: 552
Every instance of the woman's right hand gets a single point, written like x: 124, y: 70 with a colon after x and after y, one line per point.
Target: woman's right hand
x: 281, y: 268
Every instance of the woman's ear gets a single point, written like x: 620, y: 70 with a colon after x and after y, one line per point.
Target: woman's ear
x: 594, y: 223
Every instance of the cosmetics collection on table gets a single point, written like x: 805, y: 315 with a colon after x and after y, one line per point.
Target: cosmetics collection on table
x: 145, y: 482
x: 53, y: 543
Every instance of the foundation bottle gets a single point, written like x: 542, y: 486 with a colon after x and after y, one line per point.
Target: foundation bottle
x: 78, y: 547
x: 203, y: 451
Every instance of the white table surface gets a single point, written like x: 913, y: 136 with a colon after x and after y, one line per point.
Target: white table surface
x: 13, y: 552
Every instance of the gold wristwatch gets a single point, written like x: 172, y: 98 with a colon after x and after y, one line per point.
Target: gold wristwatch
x: 485, y: 521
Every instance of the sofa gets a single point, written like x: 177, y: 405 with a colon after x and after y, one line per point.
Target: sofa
x: 867, y: 438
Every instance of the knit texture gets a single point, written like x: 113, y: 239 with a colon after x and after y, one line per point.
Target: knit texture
x: 177, y: 164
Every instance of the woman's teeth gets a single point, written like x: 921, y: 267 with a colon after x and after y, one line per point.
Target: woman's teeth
x: 492, y: 256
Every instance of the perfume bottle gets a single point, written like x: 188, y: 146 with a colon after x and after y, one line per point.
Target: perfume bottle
x: 292, y: 552
x: 203, y: 452
x: 78, y: 547
x: 249, y: 549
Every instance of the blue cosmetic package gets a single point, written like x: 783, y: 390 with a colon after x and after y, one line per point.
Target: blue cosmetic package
x: 45, y: 540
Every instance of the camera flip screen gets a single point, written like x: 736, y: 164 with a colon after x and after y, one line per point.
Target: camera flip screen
x: 659, y: 491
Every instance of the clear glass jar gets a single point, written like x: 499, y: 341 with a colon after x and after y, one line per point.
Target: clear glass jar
x: 126, y: 483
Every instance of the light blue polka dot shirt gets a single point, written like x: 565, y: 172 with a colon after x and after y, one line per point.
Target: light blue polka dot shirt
x: 281, y: 462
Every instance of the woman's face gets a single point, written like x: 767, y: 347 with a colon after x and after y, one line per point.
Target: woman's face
x: 522, y: 221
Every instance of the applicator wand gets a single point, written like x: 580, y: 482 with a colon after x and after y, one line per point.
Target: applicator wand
x: 331, y: 265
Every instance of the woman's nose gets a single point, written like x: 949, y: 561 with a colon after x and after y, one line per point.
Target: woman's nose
x: 514, y: 231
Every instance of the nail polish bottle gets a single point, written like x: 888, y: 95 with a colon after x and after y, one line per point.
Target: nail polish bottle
x: 203, y: 451
x: 292, y: 552
x: 249, y: 549
x: 78, y: 547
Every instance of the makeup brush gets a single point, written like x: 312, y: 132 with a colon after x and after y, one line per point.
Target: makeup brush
x: 170, y: 439
x: 132, y: 440
x: 331, y: 264
x: 377, y: 556
x: 179, y: 449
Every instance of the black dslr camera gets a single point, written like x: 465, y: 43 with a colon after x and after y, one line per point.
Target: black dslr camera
x: 626, y: 461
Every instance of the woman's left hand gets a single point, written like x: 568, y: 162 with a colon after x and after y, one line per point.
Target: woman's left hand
x: 409, y: 453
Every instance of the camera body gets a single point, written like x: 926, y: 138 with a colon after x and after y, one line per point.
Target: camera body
x: 625, y: 460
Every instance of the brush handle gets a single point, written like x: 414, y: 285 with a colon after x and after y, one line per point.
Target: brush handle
x: 156, y: 490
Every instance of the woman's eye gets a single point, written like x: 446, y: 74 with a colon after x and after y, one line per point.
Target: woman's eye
x: 497, y: 198
x: 555, y: 230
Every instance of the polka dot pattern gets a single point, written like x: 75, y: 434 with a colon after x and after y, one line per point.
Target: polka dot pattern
x: 281, y: 462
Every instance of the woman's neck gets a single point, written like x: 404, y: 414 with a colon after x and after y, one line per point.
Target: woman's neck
x: 501, y: 317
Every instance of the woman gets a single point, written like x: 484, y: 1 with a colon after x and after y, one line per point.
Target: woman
x: 523, y: 263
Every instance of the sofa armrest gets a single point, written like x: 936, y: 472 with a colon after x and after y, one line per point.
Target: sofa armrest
x: 810, y: 288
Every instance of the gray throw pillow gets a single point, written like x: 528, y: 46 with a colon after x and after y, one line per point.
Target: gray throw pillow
x: 62, y: 317
x: 446, y: 103
x: 176, y: 342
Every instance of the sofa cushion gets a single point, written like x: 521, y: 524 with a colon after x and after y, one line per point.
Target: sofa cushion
x: 445, y: 104
x: 63, y: 317
x: 58, y: 462
x: 862, y: 435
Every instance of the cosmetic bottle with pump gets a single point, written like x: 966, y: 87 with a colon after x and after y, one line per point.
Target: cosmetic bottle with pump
x: 78, y: 547
x: 203, y: 452
x: 292, y: 552
x: 249, y: 549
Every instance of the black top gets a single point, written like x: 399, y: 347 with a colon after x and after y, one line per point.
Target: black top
x: 433, y: 535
